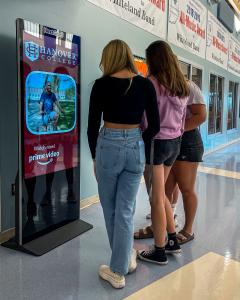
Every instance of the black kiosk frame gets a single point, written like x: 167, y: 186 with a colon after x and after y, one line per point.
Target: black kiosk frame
x: 47, y: 198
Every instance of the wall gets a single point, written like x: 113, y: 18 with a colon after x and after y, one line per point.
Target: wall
x: 96, y: 27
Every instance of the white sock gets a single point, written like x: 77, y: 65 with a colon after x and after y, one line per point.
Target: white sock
x: 173, y: 208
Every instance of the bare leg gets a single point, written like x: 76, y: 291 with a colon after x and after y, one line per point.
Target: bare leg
x: 158, y: 206
x: 159, y: 174
x: 159, y: 213
x: 148, y: 181
x: 162, y: 219
x: 170, y: 185
x: 185, y: 173
x: 175, y: 195
x: 169, y: 214
x: 147, y: 177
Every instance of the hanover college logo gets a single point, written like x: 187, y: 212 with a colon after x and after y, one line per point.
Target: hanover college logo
x: 31, y: 51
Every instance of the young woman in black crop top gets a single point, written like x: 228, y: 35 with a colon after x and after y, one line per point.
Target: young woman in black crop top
x: 120, y: 96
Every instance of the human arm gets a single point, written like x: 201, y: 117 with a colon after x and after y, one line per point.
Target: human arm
x: 94, y: 118
x: 57, y: 103
x: 198, y: 116
x: 196, y: 108
x: 152, y: 119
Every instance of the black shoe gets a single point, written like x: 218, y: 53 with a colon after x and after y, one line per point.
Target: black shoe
x: 172, y: 246
x: 154, y: 256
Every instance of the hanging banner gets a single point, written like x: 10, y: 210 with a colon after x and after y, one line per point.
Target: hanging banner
x: 150, y: 15
x: 217, y: 42
x: 234, y: 56
x: 187, y: 25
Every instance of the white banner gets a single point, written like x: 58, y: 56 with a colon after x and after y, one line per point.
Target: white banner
x: 150, y: 15
x: 234, y: 56
x: 187, y: 21
x: 217, y: 42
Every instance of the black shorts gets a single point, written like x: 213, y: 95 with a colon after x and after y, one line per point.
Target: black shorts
x: 164, y: 151
x: 191, y: 147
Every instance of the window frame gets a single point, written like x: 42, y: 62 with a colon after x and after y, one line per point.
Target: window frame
x: 216, y: 133
x: 236, y: 106
x: 195, y: 65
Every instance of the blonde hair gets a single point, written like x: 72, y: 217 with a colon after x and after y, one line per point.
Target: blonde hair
x: 117, y: 56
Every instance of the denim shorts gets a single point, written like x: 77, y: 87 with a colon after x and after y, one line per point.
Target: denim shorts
x: 162, y: 151
x: 191, y: 147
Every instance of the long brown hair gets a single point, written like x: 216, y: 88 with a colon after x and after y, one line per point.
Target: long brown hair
x: 117, y: 56
x: 163, y: 65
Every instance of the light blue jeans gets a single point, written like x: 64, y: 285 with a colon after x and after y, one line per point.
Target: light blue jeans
x: 120, y: 161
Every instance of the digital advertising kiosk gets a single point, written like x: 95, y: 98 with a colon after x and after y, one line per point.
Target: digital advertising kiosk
x: 48, y: 180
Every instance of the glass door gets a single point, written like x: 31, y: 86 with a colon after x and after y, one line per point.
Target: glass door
x: 215, y: 104
x: 219, y: 105
x: 212, y: 101
x: 186, y: 69
x: 232, y: 105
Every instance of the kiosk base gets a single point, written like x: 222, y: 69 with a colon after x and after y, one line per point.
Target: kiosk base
x: 51, y: 240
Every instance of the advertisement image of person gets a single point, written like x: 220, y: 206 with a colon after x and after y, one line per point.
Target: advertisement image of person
x: 48, y: 101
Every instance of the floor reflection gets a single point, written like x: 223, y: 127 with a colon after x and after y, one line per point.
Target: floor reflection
x: 49, y: 202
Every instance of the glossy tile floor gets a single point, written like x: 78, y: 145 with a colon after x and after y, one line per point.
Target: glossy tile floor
x: 211, y: 277
x: 70, y: 271
x: 227, y: 158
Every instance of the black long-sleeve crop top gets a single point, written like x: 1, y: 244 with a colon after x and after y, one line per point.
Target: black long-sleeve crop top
x: 109, y: 97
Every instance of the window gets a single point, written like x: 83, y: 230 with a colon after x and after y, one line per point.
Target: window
x: 192, y: 73
x: 215, y: 104
x: 232, y: 105
x: 186, y: 69
x: 197, y: 77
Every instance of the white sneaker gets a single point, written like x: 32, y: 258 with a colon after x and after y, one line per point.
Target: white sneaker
x: 116, y: 280
x: 133, y: 262
x: 175, y: 220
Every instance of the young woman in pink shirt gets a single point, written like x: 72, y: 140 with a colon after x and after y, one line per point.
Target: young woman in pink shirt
x: 172, y: 95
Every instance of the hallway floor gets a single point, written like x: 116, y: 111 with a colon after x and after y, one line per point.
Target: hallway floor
x: 207, y: 269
